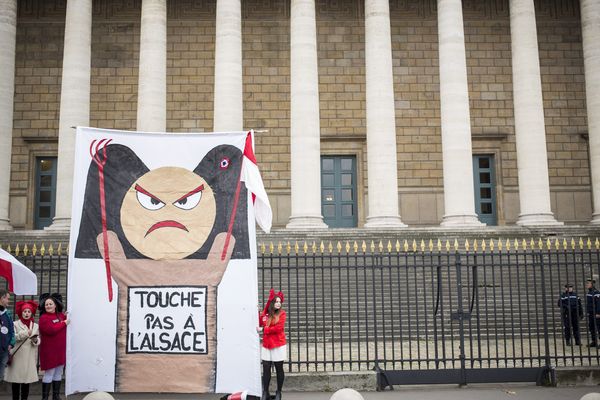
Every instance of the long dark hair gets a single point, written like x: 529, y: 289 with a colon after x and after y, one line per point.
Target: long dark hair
x: 273, y: 313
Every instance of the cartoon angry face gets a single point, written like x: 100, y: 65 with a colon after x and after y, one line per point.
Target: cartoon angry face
x: 168, y: 213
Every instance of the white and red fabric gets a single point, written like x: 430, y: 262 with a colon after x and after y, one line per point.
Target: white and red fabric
x: 251, y: 177
x: 238, y: 395
x: 21, y: 280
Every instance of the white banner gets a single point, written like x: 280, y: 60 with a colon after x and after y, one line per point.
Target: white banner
x: 162, y: 265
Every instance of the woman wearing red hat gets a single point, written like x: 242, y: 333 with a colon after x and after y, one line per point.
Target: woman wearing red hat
x: 53, y: 348
x: 23, y: 368
x: 274, y: 349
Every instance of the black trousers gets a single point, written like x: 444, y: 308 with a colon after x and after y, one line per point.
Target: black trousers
x: 571, y: 324
x: 594, y: 327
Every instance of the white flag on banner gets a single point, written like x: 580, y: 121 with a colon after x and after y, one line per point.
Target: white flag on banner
x: 251, y: 176
x: 21, y: 280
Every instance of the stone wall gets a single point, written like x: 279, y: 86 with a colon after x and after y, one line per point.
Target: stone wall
x: 266, y: 54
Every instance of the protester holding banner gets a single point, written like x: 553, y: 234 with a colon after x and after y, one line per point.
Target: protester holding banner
x: 23, y: 367
x: 53, y: 331
x: 274, y: 349
x: 7, y: 331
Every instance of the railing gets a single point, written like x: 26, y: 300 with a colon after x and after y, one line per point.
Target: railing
x: 414, y: 306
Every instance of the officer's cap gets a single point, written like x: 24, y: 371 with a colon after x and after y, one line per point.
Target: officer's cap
x: 568, y: 285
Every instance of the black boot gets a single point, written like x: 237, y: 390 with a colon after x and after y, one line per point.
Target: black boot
x: 278, y: 395
x: 16, y: 391
x: 56, y: 390
x: 24, y: 391
x: 46, y: 390
x: 266, y: 395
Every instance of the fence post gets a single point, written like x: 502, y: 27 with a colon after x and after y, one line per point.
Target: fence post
x: 461, y: 323
x: 550, y: 376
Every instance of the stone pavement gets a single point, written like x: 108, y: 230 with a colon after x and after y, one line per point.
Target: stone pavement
x: 441, y: 392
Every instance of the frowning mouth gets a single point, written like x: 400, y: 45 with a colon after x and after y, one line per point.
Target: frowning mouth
x: 166, y: 224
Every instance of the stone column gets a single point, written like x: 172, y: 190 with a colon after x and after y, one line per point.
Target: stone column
x: 590, y: 27
x: 152, y: 80
x: 74, y: 102
x: 8, y: 35
x: 305, y: 124
x: 530, y: 131
x: 381, y: 120
x: 228, y: 107
x: 459, y: 197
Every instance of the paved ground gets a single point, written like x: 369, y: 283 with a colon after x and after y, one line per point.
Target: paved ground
x: 475, y: 392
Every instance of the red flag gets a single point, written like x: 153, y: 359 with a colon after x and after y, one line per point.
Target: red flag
x: 21, y: 281
x: 251, y: 176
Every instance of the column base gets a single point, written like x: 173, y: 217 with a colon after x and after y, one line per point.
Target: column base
x: 461, y: 221
x: 59, y: 224
x: 595, y: 219
x: 5, y: 225
x: 542, y: 219
x: 306, y: 222
x: 385, y: 222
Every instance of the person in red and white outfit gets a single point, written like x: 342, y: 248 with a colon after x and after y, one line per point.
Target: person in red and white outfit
x: 274, y: 349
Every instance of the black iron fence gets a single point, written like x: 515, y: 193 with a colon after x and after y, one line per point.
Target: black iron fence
x: 435, y: 311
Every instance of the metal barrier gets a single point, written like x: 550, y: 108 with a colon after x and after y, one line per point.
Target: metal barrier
x: 419, y: 312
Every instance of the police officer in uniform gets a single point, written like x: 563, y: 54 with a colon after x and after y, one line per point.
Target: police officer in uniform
x: 592, y: 301
x: 572, y: 311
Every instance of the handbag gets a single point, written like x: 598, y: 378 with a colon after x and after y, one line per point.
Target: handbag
x: 11, y: 355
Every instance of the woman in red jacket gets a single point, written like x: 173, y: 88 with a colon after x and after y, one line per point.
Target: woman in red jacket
x: 53, y: 343
x: 274, y: 349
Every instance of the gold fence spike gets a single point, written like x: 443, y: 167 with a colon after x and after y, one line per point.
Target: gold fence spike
x: 516, y: 244
x: 455, y: 244
x: 597, y: 244
x: 380, y: 246
x: 572, y: 244
x: 439, y: 245
x: 532, y: 244
x: 314, y: 247
x: 364, y: 246
x: 397, y: 246
x: 548, y: 244
x: 589, y: 243
x: 447, y: 245
x: 25, y: 249
x: 355, y: 247
x: 67, y: 250
x: 279, y: 248
x: 339, y: 247
x: 540, y: 244
x: 34, y: 249
x: 580, y: 243
x: 467, y: 244
x: 347, y: 246
x: 288, y: 248
x: 475, y: 247
x: 422, y: 245
x: 430, y: 245
x: 372, y: 246
x: 414, y: 245
x: 330, y: 247
x: 305, y: 247
x: 483, y: 245
x: 51, y: 249
x: 556, y: 244
x: 491, y: 244
x: 524, y: 244
x: 271, y: 248
x: 17, y: 250
x: 405, y: 246
x: 322, y: 247
x: 389, y: 246
x: 507, y: 245
x: 262, y: 248
x: 10, y: 250
x: 59, y: 250
x: 296, y: 247
x: 565, y: 245
x: 499, y: 244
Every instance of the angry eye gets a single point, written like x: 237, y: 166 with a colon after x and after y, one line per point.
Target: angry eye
x: 149, y: 202
x: 187, y: 203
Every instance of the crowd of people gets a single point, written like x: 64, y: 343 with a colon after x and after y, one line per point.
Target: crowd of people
x: 22, y: 339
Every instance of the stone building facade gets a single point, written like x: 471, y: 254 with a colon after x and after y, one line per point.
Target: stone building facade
x: 417, y: 57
